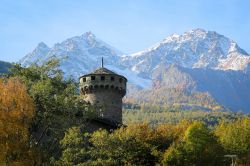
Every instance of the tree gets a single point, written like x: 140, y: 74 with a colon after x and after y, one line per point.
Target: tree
x: 58, y: 105
x: 235, y: 138
x: 199, y: 147
x: 118, y: 149
x: 75, y: 147
x: 16, y: 113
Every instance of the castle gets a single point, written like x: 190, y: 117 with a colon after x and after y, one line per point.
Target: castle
x: 104, y: 89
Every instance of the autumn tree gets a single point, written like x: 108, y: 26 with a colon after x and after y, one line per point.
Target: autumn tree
x: 16, y: 113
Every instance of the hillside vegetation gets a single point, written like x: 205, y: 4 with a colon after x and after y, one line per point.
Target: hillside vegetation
x: 155, y: 115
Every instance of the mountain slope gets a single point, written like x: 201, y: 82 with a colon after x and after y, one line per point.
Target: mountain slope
x: 4, y: 67
x: 204, y: 88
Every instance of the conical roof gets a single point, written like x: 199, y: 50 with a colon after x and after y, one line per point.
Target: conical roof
x: 102, y: 70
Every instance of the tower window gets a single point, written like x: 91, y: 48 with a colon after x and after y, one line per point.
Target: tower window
x: 120, y: 80
x: 102, y: 78
x: 84, y: 79
x: 112, y: 79
x: 92, y: 77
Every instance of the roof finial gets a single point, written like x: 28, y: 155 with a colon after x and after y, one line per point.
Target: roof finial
x: 102, y: 62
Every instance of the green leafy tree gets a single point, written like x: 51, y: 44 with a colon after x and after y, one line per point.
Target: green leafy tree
x: 75, y: 147
x: 235, y: 138
x: 199, y: 147
x: 117, y: 149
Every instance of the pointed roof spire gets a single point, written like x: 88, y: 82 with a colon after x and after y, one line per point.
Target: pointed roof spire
x: 102, y: 62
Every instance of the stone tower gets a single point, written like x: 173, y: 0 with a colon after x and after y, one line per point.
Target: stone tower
x: 105, y: 89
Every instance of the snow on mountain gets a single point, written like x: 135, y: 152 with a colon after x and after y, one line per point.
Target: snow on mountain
x: 132, y: 76
x: 193, y: 49
x: 82, y: 54
x: 36, y: 56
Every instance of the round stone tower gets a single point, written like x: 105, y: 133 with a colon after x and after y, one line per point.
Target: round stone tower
x: 105, y: 89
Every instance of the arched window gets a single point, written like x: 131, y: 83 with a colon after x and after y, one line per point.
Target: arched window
x: 84, y: 79
x: 112, y: 78
x: 92, y: 77
x: 106, y: 86
x: 102, y: 78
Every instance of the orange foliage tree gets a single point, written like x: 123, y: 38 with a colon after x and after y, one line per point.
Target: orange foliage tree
x: 16, y: 113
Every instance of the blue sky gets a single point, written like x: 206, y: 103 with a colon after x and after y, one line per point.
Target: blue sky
x: 129, y: 25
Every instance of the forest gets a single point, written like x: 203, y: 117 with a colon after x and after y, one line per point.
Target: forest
x: 43, y: 122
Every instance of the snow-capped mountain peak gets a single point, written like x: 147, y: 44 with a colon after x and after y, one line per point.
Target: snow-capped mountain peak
x: 80, y: 54
x: 38, y: 53
x: 196, y: 48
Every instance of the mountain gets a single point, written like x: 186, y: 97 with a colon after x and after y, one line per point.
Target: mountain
x: 81, y: 54
x: 77, y: 54
x: 193, y: 49
x: 198, y: 68
x: 4, y: 67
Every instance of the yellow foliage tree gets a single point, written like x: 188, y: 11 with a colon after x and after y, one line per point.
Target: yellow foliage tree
x: 16, y: 112
x: 235, y: 138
